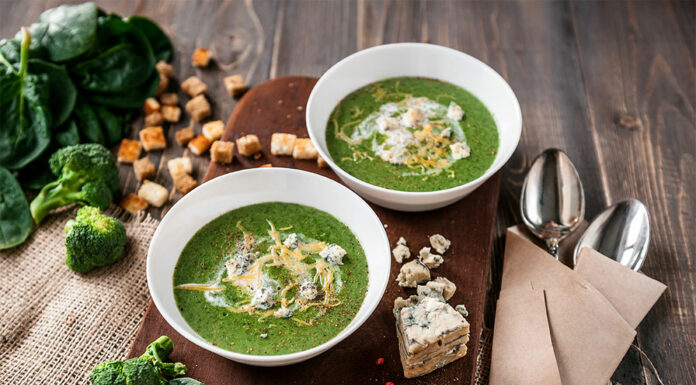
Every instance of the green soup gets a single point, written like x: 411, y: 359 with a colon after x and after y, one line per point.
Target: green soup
x: 271, y: 278
x: 412, y: 134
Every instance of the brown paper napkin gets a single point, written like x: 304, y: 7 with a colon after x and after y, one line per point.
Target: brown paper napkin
x: 632, y: 294
x: 522, y: 340
x: 589, y: 336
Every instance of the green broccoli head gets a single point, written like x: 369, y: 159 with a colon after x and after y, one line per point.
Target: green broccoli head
x: 87, y: 175
x: 93, y: 239
x: 108, y: 373
x: 158, y: 351
x: 135, y: 371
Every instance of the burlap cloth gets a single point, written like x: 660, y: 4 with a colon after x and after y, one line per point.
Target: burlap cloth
x: 55, y: 325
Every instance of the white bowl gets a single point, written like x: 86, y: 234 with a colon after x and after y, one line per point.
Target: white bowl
x: 247, y: 187
x: 424, y: 60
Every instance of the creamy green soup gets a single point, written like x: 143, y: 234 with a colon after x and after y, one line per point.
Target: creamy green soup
x: 271, y: 278
x: 412, y: 134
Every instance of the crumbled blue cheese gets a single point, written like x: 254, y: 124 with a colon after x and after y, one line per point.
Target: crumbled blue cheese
x: 439, y: 243
x: 308, y: 290
x: 429, y: 259
x: 413, y: 273
x: 282, y: 312
x: 459, y: 150
x: 454, y: 111
x: 263, y: 298
x: 333, y: 254
x: 401, y: 251
x: 426, y: 319
x: 239, y: 264
x: 441, y: 285
x: 263, y: 335
x: 412, y: 117
x: 291, y: 242
x: 461, y: 309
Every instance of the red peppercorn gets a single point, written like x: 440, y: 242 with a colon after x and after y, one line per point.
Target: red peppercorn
x: 389, y: 383
x: 380, y: 361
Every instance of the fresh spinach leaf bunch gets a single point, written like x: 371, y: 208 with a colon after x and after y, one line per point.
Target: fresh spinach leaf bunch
x: 15, y: 218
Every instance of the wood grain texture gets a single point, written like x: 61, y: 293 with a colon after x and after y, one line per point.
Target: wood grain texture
x: 278, y: 106
x: 611, y: 83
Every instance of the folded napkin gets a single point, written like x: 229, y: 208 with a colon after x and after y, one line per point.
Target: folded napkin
x: 590, y: 328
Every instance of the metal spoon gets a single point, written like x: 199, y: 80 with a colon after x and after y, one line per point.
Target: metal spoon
x: 553, y: 200
x: 621, y: 232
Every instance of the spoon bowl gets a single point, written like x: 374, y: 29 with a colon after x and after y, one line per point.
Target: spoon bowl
x: 621, y: 232
x: 553, y: 200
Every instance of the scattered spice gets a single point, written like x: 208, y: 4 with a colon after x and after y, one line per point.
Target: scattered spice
x: 380, y: 361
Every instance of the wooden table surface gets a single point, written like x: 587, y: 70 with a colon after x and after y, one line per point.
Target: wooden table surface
x: 613, y: 84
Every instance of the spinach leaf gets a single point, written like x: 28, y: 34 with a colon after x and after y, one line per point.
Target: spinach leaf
x: 15, y: 218
x: 111, y: 124
x: 87, y: 122
x: 64, y: 32
x: 118, y: 69
x: 133, y: 98
x: 185, y: 381
x: 66, y: 135
x: 161, y: 45
x: 60, y: 88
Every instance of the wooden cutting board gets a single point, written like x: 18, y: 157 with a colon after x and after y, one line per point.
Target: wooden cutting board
x: 278, y: 106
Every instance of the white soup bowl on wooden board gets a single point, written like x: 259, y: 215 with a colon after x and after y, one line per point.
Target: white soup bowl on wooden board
x: 420, y: 60
x: 247, y: 187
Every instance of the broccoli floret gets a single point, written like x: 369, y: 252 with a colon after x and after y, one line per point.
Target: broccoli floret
x: 87, y: 174
x: 93, y: 239
x: 143, y: 370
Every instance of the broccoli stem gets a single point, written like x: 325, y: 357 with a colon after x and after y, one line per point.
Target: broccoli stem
x: 51, y: 196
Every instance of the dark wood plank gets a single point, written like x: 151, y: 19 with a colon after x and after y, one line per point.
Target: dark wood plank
x: 273, y: 107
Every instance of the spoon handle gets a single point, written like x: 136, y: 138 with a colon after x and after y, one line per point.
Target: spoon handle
x: 552, y: 246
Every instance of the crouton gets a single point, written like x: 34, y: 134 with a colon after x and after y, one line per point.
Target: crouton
x: 163, y: 84
x: 154, y: 119
x: 198, y: 108
x: 200, y: 57
x: 133, y: 203
x: 153, y: 193
x: 184, y: 183
x: 304, y: 149
x: 213, y: 130
x: 143, y: 169
x: 321, y: 162
x: 282, y: 144
x: 129, y: 151
x: 234, y: 85
x: 152, y: 138
x: 184, y: 136
x: 267, y: 165
x: 164, y: 68
x: 222, y: 152
x: 199, y: 145
x: 194, y: 86
x: 171, y: 114
x: 169, y: 99
x: 248, y: 145
x: 151, y: 105
x: 178, y: 166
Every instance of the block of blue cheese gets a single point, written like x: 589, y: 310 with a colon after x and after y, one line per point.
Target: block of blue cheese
x: 431, y: 333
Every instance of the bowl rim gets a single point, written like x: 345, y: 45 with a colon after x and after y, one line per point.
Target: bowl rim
x: 414, y: 194
x: 281, y: 359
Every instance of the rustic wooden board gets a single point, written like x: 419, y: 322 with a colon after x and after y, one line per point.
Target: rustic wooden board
x: 278, y: 106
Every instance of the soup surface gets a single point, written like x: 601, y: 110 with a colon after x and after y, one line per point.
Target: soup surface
x: 412, y: 134
x: 271, y: 278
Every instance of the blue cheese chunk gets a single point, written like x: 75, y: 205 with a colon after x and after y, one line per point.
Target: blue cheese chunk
x: 263, y: 298
x: 439, y: 243
x: 291, y: 242
x: 308, y: 290
x: 413, y: 273
x: 401, y: 251
x: 459, y: 150
x: 333, y: 254
x: 461, y: 309
x: 282, y: 312
x: 439, y: 287
x: 429, y: 259
x: 455, y: 112
x: 239, y: 264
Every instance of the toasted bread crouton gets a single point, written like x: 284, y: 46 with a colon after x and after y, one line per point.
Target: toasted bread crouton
x: 151, y: 105
x: 171, y: 114
x: 184, y: 183
x: 248, y: 145
x: 199, y: 145
x: 201, y: 57
x: 198, y: 108
x: 184, y: 136
x: 282, y: 144
x: 133, y: 203
x: 153, y: 193
x: 194, y: 86
x: 169, y: 99
x: 154, y: 119
x: 164, y: 68
x: 178, y: 166
x: 222, y: 152
x: 267, y: 165
x: 213, y: 130
x: 143, y: 169
x: 129, y: 151
x: 304, y: 149
x: 163, y: 84
x: 152, y: 138
x: 321, y: 162
x: 234, y: 85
